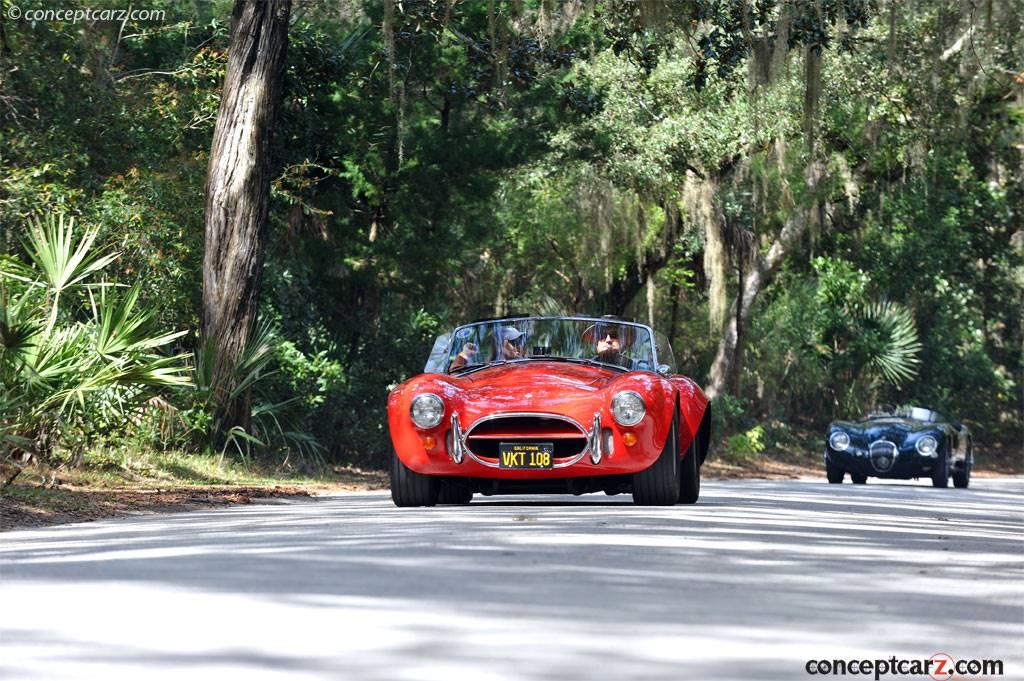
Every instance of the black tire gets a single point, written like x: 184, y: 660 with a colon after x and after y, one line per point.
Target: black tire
x: 940, y: 476
x: 658, y: 485
x: 858, y: 479
x: 834, y: 473
x: 409, y: 488
x: 962, y: 477
x: 689, y: 474
x: 454, y: 493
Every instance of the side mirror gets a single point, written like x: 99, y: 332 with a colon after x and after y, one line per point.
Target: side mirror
x: 664, y: 370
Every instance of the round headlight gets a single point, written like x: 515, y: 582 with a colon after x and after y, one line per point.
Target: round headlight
x: 839, y: 441
x: 628, y: 408
x: 927, y: 446
x: 427, y: 410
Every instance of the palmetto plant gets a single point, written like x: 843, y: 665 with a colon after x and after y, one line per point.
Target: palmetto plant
x: 869, y: 345
x: 892, y: 347
x: 64, y: 360
x: 62, y: 261
x: 272, y: 424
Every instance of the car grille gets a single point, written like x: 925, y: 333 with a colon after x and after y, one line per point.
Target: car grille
x: 883, y: 455
x: 568, y: 438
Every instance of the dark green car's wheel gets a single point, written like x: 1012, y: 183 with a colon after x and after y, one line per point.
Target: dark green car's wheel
x: 658, y: 485
x: 962, y: 475
x: 409, y: 488
x: 689, y: 474
x: 858, y: 479
x: 940, y: 476
x: 455, y: 493
x: 834, y: 473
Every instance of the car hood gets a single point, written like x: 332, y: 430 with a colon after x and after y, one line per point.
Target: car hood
x: 535, y: 383
x: 893, y: 429
x: 579, y: 391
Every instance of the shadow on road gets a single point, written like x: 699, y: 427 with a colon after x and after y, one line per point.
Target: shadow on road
x: 758, y: 577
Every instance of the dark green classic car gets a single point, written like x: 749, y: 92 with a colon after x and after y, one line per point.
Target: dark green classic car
x: 904, y: 443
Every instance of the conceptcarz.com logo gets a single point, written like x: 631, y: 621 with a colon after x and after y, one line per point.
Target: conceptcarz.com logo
x: 940, y: 667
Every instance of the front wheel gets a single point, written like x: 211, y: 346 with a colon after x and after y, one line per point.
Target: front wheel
x: 962, y: 476
x: 455, y: 493
x: 409, y: 488
x: 658, y: 485
x: 940, y: 476
x: 858, y: 479
x: 834, y: 473
x: 689, y: 475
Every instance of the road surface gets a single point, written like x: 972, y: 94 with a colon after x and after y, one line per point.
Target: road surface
x: 753, y: 582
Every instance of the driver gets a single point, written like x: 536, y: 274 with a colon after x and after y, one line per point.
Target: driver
x: 608, y: 341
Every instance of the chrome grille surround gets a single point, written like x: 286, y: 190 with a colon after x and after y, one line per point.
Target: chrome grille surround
x: 883, y: 455
x: 593, y: 442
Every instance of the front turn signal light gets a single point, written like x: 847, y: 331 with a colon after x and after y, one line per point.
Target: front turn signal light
x: 429, y: 442
x: 629, y: 439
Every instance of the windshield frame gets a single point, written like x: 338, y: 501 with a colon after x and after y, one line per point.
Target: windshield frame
x: 549, y: 318
x: 905, y: 413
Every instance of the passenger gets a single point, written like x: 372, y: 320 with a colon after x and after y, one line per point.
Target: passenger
x: 467, y: 356
x: 512, y: 340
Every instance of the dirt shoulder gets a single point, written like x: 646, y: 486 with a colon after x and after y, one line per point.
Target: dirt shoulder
x: 781, y: 464
x: 30, y: 503
x: 39, y: 498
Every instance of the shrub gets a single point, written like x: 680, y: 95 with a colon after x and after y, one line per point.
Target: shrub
x: 77, y: 358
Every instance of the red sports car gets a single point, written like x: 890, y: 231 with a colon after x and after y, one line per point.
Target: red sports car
x: 548, y: 405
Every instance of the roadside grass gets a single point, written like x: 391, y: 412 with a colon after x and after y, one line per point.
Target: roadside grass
x: 123, y: 480
x: 117, y: 481
x: 107, y: 468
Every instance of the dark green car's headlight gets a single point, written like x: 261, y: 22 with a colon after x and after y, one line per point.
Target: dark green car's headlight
x: 927, y: 446
x: 839, y: 441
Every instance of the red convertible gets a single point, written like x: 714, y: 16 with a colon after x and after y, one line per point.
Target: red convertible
x: 548, y: 405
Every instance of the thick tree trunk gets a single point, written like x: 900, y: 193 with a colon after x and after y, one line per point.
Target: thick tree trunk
x: 725, y: 369
x: 238, y: 191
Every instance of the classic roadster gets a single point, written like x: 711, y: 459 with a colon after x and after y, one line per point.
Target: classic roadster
x: 523, y: 405
x: 904, y: 443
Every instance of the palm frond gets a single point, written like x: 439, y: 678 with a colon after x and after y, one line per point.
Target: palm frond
x: 894, y: 353
x: 119, y: 331
x: 63, y: 260
x: 18, y: 328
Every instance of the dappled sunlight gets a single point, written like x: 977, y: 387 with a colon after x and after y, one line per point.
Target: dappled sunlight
x: 752, y: 581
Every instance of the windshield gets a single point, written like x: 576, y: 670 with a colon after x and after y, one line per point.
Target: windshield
x: 610, y: 342
x: 913, y: 413
x: 919, y: 414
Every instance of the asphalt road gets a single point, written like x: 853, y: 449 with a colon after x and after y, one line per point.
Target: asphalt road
x: 751, y: 583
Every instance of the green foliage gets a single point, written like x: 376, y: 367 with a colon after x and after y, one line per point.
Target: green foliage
x: 502, y: 158
x: 861, y: 341
x: 745, y: 445
x: 276, y: 423
x: 77, y: 358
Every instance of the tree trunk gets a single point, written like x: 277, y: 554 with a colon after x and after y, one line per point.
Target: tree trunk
x: 725, y: 369
x: 238, y: 192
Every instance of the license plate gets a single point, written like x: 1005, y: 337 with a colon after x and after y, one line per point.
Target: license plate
x: 525, y: 455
